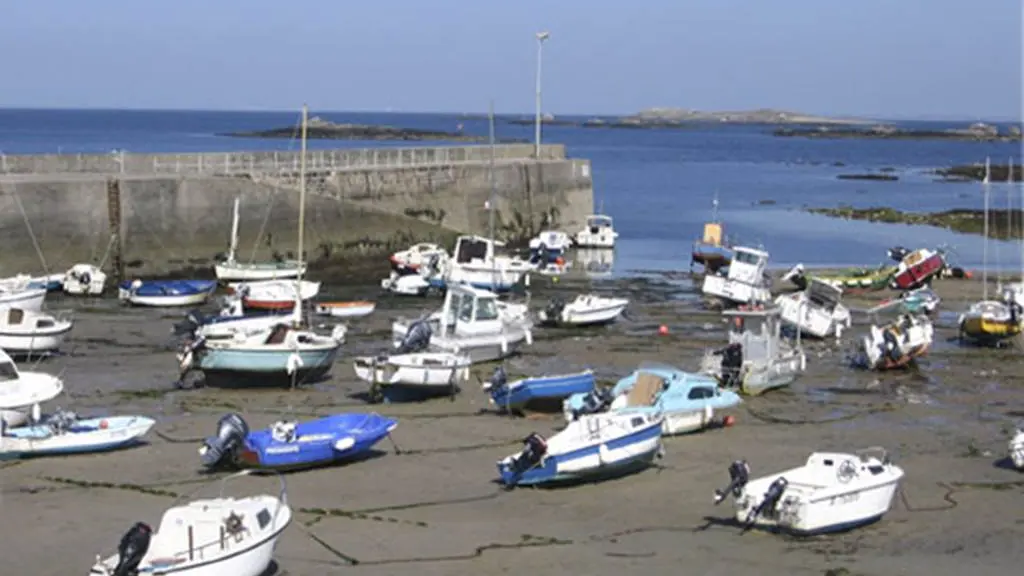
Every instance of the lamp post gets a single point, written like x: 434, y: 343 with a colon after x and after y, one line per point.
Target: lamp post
x: 541, y: 37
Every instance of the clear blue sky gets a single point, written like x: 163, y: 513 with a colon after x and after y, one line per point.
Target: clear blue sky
x: 888, y: 58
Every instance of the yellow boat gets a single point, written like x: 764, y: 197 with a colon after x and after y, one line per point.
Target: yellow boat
x: 990, y: 322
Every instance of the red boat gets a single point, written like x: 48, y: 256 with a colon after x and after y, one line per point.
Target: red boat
x: 917, y: 268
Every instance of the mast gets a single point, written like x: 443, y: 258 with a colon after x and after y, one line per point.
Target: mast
x: 234, y: 233
x: 302, y: 212
x: 714, y: 208
x: 490, y: 202
x: 1009, y: 210
x: 984, y: 257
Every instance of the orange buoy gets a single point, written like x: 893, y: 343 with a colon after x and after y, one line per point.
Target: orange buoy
x: 663, y: 330
x: 104, y: 424
x: 968, y: 274
x: 559, y: 261
x: 728, y: 421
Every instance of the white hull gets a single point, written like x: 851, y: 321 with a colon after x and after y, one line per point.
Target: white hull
x: 587, y: 240
x: 162, y: 301
x: 244, y: 325
x: 84, y: 280
x: 75, y: 442
x: 419, y: 370
x: 501, y: 276
x: 813, y: 320
x: 1016, y: 449
x: 281, y: 291
x: 26, y: 390
x: 14, y: 418
x: 905, y: 343
x: 407, y: 285
x: 30, y: 299
x: 47, y: 342
x: 685, y: 422
x: 241, y: 273
x: 346, y: 310
x: 589, y: 309
x: 732, y: 291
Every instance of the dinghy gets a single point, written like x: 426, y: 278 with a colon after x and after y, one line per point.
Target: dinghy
x: 991, y: 322
x: 20, y: 391
x: 355, y: 309
x: 84, y: 280
x: 688, y: 401
x: 744, y: 283
x: 851, y: 279
x: 816, y: 311
x: 584, y: 310
x: 593, y: 446
x: 205, y: 537
x: 536, y: 391
x: 65, y: 433
x: 898, y: 343
x: 417, y: 255
x: 231, y: 270
x: 832, y: 492
x: 757, y: 358
x: 274, y: 294
x: 30, y: 332
x: 22, y: 297
x: 549, y: 246
x: 1016, y: 449
x: 416, y: 374
x: 289, y: 445
x: 166, y: 292
x: 598, y: 232
x: 408, y: 284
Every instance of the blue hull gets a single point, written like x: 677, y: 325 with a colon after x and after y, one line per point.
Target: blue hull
x: 545, y: 388
x: 48, y: 285
x: 711, y: 255
x: 315, y: 442
x: 156, y: 288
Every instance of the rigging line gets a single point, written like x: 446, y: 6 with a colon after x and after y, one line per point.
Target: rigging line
x: 277, y: 189
x: 31, y: 234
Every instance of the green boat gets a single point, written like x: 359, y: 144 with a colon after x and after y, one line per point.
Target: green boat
x: 849, y: 279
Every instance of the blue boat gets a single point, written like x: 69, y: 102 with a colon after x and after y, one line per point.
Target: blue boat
x: 537, y: 392
x: 687, y: 400
x: 294, y: 445
x: 595, y: 446
x: 166, y: 292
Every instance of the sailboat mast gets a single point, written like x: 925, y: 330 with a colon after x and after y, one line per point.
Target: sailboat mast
x: 302, y: 213
x: 984, y: 256
x: 1009, y: 209
x: 490, y: 202
x: 234, y: 233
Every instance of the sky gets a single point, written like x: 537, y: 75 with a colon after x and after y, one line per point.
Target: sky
x: 875, y: 58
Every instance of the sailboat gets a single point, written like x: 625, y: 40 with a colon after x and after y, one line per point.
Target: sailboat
x: 710, y: 251
x: 990, y: 322
x: 231, y: 270
x: 281, y: 353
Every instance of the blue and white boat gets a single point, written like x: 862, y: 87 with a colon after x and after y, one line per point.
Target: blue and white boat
x: 482, y: 263
x: 166, y: 292
x: 65, y: 433
x: 591, y: 447
x: 536, y: 391
x: 549, y: 246
x: 687, y: 400
x: 48, y: 282
x: 292, y: 445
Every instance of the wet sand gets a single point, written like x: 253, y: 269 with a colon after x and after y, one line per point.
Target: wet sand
x: 433, y: 508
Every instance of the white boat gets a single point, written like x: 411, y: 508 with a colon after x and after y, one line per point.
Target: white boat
x: 418, y: 372
x: 597, y: 233
x: 745, y: 283
x: 470, y: 323
x: 757, y: 358
x: 28, y: 331
x: 84, y: 280
x: 352, y: 309
x: 274, y: 294
x: 230, y: 322
x: 231, y: 270
x: 1016, y: 449
x: 166, y: 293
x: 815, y: 311
x: 584, y: 310
x: 20, y: 391
x: 896, y: 344
x: 832, y: 492
x: 549, y: 245
x: 66, y: 433
x: 418, y: 255
x: 414, y: 284
x: 20, y: 296
x: 205, y: 537
x: 479, y: 263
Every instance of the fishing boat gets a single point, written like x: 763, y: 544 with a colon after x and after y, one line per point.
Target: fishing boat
x: 757, y: 359
x: 21, y: 296
x: 584, y: 310
x: 165, y: 293
x: 536, y: 392
x: 744, y: 283
x: 480, y: 262
x: 815, y: 311
x: 595, y: 262
x: 22, y: 391
x: 590, y: 447
x: 29, y: 332
x: 549, y: 246
x: 1016, y: 449
x: 231, y: 270
x: 710, y: 251
x: 63, y: 432
x: 831, y: 492
x: 289, y: 445
x: 688, y: 401
x: 204, y: 537
x: 898, y: 343
x: 84, y: 280
x: 861, y: 279
x: 916, y: 268
x: 598, y: 232
x: 353, y: 309
x: 274, y: 294
x: 417, y: 256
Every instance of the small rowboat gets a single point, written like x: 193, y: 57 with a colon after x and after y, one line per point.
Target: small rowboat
x: 354, y: 309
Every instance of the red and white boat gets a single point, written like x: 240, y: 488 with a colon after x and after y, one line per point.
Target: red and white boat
x: 917, y: 268
x: 274, y: 294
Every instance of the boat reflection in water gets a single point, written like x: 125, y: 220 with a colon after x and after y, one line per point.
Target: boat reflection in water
x: 595, y: 262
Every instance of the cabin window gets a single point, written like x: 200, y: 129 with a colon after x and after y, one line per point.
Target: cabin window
x: 701, y: 392
x: 466, y: 310
x: 486, y: 309
x: 638, y: 421
x: 746, y: 258
x: 876, y: 470
x: 45, y: 323
x: 263, y: 518
x: 15, y: 316
x: 470, y: 250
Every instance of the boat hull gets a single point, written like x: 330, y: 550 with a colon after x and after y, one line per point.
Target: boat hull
x: 345, y: 309
x: 172, y: 293
x: 41, y: 341
x: 121, y: 432
x: 251, y: 367
x: 529, y: 392
x: 28, y: 299
x: 919, y: 274
x: 323, y: 447
x: 734, y: 292
x: 238, y: 272
x: 712, y: 257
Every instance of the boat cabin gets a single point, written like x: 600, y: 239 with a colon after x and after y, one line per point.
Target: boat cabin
x: 712, y: 234
x: 206, y: 530
x: 748, y: 265
x: 595, y: 222
x: 470, y: 248
x: 823, y: 294
x: 757, y: 331
x: 469, y: 311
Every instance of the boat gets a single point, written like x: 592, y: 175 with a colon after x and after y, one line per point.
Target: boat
x: 84, y: 280
x: 409, y: 284
x: 21, y: 296
x: 598, y: 232
x: 584, y: 310
x: 549, y: 246
x: 745, y: 282
x: 274, y: 294
x: 710, y: 251
x: 354, y: 309
x: 916, y: 268
x: 1016, y: 449
x: 414, y: 374
x: 289, y: 445
x: 29, y: 332
x: 204, y: 537
x: 590, y: 447
x: 230, y: 321
x: 231, y: 270
x: 922, y: 300
x: 21, y: 391
x: 595, y: 262
x: 470, y: 323
x: 165, y: 292
x: 417, y: 256
x: 480, y: 263
x: 815, y: 311
x: 757, y: 359
x: 48, y: 282
x: 831, y: 492
x: 688, y: 401
x: 861, y: 279
x: 63, y: 432
x: 536, y: 391
x: 898, y: 343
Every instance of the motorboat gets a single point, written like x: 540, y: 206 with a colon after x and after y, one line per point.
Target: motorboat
x: 204, y: 537
x: 922, y: 300
x: 31, y: 332
x: 757, y: 357
x: 991, y: 322
x: 231, y: 270
x: 48, y: 282
x: 290, y: 445
x: 745, y: 282
x: 408, y: 284
x: 64, y: 432
x: 480, y: 263
x: 897, y: 343
x: 22, y: 391
x: 161, y: 293
x: 84, y: 280
x: 688, y: 401
x: 591, y: 447
x: 598, y: 232
x: 417, y: 256
x: 350, y: 309
x: 549, y: 246
x: 536, y: 391
x: 231, y: 321
x: 21, y: 296
x: 584, y: 310
x: 274, y: 294
x: 1016, y: 449
x: 831, y: 492
x: 816, y: 311
x: 915, y: 268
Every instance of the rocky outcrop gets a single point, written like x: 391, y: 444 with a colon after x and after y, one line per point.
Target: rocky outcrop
x: 1003, y: 224
x: 320, y: 129
x: 978, y: 132
x: 997, y: 173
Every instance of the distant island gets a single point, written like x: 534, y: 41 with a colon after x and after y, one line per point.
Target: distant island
x: 317, y: 128
x: 959, y: 220
x: 976, y: 172
x: 978, y: 132
x: 684, y: 117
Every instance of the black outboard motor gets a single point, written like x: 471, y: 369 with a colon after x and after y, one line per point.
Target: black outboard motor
x: 897, y: 253
x: 597, y: 400
x: 416, y: 338
x: 732, y: 363
x: 132, y: 549
x: 193, y: 320
x: 768, y: 504
x: 534, y: 450
x: 739, y: 475
x: 219, y: 449
x: 499, y: 379
x: 553, y: 311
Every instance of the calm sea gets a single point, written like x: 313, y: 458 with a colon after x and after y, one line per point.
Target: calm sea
x: 657, y: 184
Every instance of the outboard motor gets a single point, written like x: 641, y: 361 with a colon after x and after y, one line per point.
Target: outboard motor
x: 739, y: 475
x: 61, y: 421
x: 554, y: 309
x: 732, y: 363
x: 231, y: 433
x: 891, y: 346
x: 898, y: 253
x: 132, y: 549
x: 768, y: 504
x: 498, y: 380
x: 597, y: 400
x: 193, y: 320
x: 416, y: 338
x: 534, y: 450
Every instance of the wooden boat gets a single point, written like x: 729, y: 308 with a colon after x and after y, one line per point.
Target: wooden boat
x: 917, y: 268
x: 355, y: 309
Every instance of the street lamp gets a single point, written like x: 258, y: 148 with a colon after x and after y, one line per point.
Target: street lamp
x: 541, y: 37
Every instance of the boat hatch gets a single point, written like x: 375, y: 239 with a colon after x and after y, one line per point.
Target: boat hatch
x: 278, y: 334
x: 876, y: 469
x: 646, y: 390
x: 713, y: 233
x: 263, y: 518
x: 15, y: 316
x: 700, y: 392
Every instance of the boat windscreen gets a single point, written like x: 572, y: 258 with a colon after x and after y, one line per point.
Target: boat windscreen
x: 8, y: 371
x: 471, y: 249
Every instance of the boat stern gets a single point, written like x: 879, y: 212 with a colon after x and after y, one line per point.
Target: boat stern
x: 1016, y: 449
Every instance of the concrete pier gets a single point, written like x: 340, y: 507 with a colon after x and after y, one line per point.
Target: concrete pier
x: 165, y: 213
